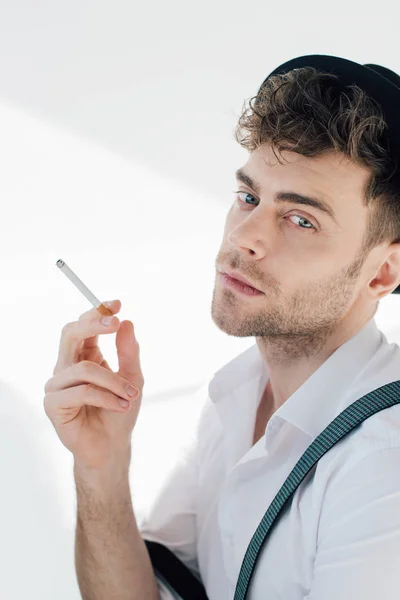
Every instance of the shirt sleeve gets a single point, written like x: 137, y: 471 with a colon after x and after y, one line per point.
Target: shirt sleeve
x: 171, y: 519
x: 358, y: 552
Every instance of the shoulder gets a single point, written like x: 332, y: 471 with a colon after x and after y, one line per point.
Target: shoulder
x: 380, y: 431
x: 366, y: 458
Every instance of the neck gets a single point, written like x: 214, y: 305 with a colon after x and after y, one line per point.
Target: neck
x: 291, y: 360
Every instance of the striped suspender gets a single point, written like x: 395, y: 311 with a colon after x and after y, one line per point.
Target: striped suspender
x: 373, y: 402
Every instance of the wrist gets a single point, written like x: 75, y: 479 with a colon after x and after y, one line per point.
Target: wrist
x: 111, y: 475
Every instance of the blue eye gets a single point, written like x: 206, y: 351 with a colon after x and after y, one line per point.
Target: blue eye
x: 245, y: 193
x: 304, y: 219
x: 239, y: 193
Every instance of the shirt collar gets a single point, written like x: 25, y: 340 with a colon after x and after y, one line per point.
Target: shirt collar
x: 238, y: 385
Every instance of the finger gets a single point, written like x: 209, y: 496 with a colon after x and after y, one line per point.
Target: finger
x: 74, y: 333
x: 76, y: 397
x: 93, y: 354
x: 113, y: 305
x: 87, y: 372
x: 128, y: 351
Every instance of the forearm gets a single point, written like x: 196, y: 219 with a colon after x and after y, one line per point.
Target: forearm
x: 111, y: 558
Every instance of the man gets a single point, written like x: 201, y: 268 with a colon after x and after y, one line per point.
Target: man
x: 315, y: 235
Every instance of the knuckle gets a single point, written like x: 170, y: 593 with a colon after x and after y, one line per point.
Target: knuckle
x: 88, y: 314
x: 84, y: 315
x: 66, y: 329
x: 86, y: 366
x: 70, y: 326
x: 69, y: 330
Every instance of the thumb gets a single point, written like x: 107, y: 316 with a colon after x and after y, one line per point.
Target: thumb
x: 128, y: 354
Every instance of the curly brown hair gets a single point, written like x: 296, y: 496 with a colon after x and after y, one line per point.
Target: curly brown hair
x: 307, y: 111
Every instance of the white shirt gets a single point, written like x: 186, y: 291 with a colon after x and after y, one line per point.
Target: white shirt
x: 339, y: 537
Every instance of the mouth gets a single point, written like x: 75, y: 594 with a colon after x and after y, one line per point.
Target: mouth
x: 239, y: 277
x: 239, y: 285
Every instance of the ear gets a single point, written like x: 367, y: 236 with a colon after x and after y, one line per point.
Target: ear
x: 388, y: 276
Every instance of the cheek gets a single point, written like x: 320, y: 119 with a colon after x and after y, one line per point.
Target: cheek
x: 231, y: 222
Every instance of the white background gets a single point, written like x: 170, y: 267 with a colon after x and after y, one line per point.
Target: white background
x: 117, y: 155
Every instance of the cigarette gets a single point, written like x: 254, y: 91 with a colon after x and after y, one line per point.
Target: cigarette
x: 82, y: 288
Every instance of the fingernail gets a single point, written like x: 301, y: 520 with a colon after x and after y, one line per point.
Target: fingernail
x: 131, y: 391
x: 124, y: 403
x: 107, y: 320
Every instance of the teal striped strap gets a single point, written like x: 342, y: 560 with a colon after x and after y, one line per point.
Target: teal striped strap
x: 373, y: 402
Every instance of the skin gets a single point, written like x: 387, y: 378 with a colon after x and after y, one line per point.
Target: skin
x: 317, y: 291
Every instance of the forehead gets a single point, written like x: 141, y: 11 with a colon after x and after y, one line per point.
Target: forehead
x: 332, y: 176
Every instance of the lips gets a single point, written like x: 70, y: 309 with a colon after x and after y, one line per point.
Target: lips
x: 240, y: 278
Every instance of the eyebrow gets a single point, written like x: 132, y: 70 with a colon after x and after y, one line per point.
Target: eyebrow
x: 289, y: 196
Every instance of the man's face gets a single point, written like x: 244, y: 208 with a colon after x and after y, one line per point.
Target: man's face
x: 305, y: 262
